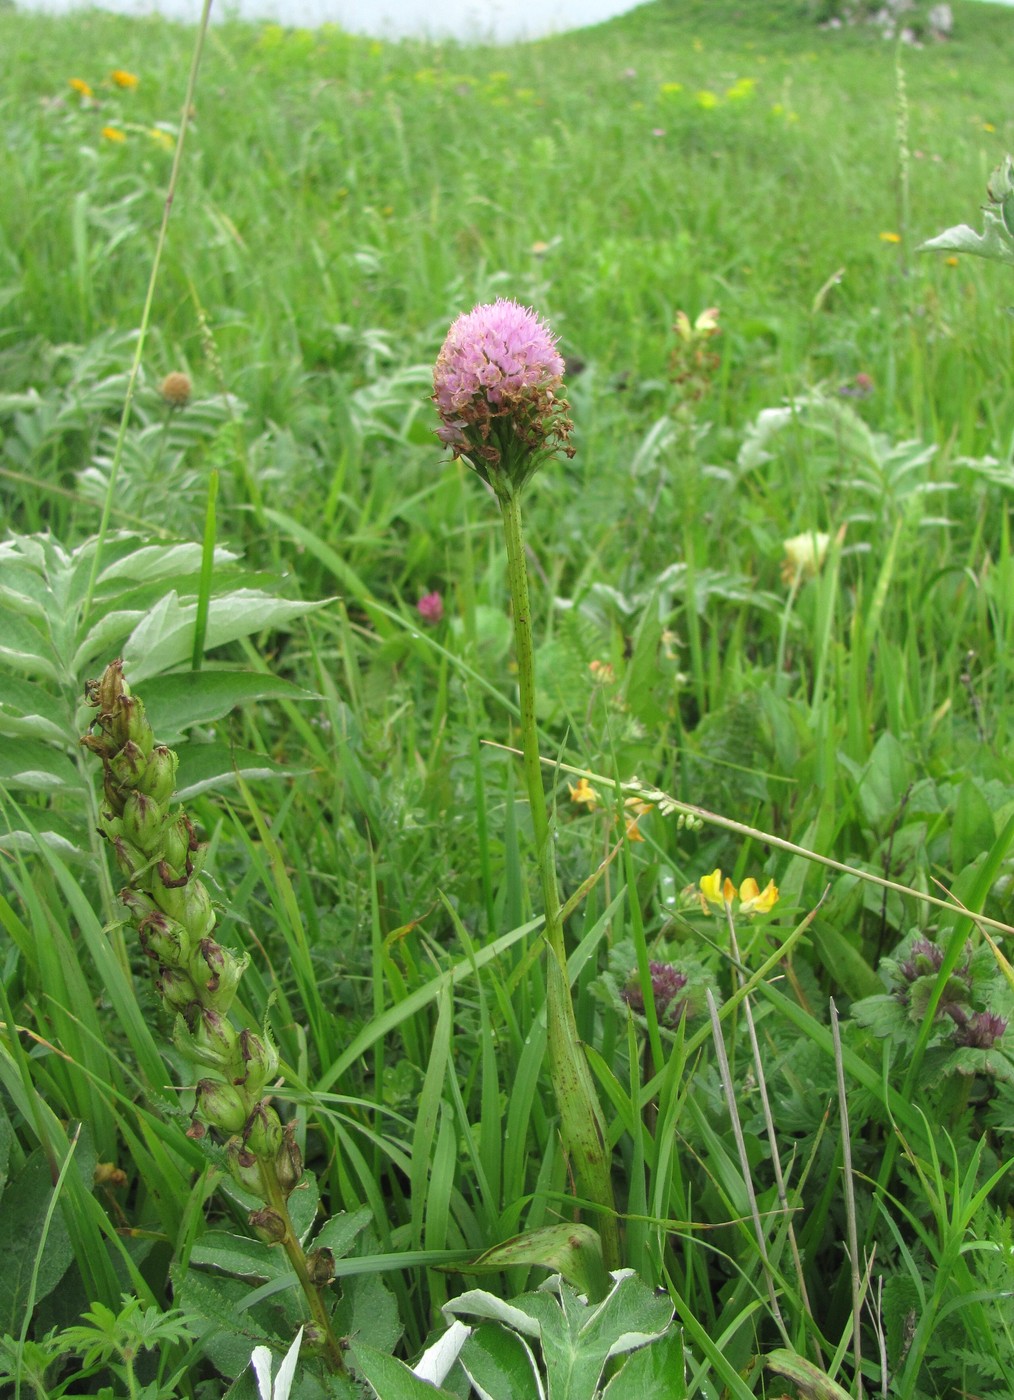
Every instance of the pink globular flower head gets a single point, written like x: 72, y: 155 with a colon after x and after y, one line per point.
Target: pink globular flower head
x: 494, y: 385
x: 430, y: 607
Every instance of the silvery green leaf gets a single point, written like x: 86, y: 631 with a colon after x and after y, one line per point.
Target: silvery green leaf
x: 438, y: 1359
x: 995, y: 242
x: 165, y: 637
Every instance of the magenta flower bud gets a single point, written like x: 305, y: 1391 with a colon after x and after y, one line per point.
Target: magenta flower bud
x: 430, y: 607
x: 495, y: 384
x: 158, y: 777
x: 221, y: 1105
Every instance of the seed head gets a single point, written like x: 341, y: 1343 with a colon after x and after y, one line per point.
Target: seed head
x: 176, y: 389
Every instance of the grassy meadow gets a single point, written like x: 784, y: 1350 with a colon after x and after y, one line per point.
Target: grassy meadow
x: 257, y: 552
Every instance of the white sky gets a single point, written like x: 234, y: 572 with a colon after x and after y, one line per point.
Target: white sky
x: 501, y: 20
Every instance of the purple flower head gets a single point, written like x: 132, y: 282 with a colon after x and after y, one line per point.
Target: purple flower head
x: 923, y: 958
x: 430, y: 607
x: 667, y: 982
x: 981, y: 1030
x: 494, y: 385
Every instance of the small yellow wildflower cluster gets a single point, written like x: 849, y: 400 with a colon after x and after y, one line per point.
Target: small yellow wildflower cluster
x: 123, y: 79
x: 113, y: 133
x: 79, y: 86
x: 635, y: 808
x: 583, y: 795
x: 741, y: 89
x: 752, y: 899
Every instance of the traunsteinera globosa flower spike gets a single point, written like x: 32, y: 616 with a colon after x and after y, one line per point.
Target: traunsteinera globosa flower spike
x: 495, y: 385
x: 157, y: 849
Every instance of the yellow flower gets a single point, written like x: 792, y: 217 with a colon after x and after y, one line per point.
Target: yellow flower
x: 714, y: 891
x: 162, y: 138
x: 988, y: 126
x: 80, y: 86
x: 890, y: 238
x: 636, y: 808
x: 804, y: 555
x: 123, y: 79
x: 752, y: 899
x: 951, y: 262
x: 668, y: 88
x: 584, y: 793
x: 706, y: 99
x: 112, y: 133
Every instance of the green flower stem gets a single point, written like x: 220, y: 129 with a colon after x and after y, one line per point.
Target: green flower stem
x: 581, y: 1123
x: 275, y: 1198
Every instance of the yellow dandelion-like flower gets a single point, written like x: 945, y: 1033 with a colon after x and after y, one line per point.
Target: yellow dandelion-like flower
x: 113, y: 133
x: 890, y: 238
x: 951, y: 262
x: 988, y: 126
x: 583, y: 794
x: 667, y: 89
x: 706, y: 99
x: 123, y: 79
x: 162, y: 138
x: 80, y: 86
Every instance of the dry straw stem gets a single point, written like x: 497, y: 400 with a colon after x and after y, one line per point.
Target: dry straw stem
x: 670, y: 806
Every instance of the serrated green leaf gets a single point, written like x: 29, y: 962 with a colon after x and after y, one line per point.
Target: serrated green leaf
x: 368, y: 1311
x: 238, y: 1255
x: 339, y: 1233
